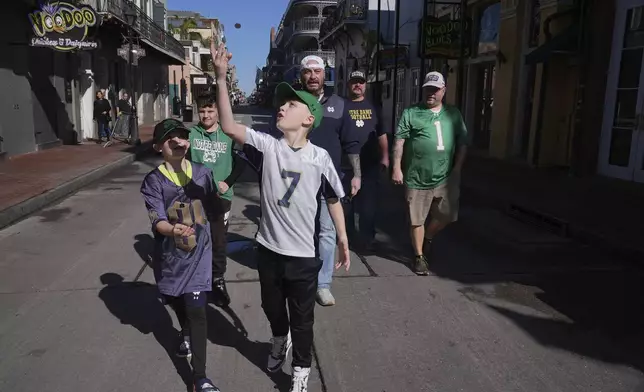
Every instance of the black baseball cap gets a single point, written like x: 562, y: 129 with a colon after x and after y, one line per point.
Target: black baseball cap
x: 358, y: 75
x: 162, y: 129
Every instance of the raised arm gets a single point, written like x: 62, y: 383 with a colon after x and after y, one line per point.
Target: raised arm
x: 220, y: 58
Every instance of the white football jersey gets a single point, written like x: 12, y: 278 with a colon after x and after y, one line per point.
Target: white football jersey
x: 291, y: 182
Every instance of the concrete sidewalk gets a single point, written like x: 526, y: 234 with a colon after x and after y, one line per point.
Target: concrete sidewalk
x: 601, y: 211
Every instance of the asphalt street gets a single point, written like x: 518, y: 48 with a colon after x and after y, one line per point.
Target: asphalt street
x: 508, y: 307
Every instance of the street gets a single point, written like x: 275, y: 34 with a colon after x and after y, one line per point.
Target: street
x: 508, y: 307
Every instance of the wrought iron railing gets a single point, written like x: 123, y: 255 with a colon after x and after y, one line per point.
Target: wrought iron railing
x: 347, y: 10
x: 327, y: 55
x: 144, y: 25
x: 309, y: 23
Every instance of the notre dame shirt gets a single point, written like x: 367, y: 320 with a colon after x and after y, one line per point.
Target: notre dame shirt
x: 181, y: 264
x: 431, y: 140
x: 291, y: 181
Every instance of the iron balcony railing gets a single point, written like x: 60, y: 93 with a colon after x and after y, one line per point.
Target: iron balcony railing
x: 327, y: 55
x: 144, y: 25
x: 347, y: 11
x: 308, y: 24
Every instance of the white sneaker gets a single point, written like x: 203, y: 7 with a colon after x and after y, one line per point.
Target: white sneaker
x: 300, y: 379
x: 279, y: 351
x: 325, y: 298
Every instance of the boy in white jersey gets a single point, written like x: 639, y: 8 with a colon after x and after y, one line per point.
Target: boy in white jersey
x: 293, y: 174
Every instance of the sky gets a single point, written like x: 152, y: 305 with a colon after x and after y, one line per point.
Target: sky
x: 249, y: 44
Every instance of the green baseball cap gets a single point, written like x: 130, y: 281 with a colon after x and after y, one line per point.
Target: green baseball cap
x: 162, y: 129
x: 285, y: 91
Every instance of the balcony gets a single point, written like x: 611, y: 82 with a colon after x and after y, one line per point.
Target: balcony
x: 309, y: 24
x: 348, y: 11
x: 150, y: 32
x: 327, y: 55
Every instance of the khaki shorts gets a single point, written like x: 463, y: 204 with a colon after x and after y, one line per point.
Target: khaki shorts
x: 441, y: 202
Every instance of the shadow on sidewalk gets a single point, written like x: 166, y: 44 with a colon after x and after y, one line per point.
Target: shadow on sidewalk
x: 137, y: 304
x: 232, y: 333
x: 144, y: 246
x: 566, y: 295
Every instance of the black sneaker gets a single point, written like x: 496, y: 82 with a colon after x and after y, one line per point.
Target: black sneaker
x: 427, y: 249
x: 420, y: 266
x: 183, y: 351
x: 205, y: 385
x: 219, y: 295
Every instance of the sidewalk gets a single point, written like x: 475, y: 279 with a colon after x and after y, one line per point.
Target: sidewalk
x: 35, y: 180
x: 600, y: 210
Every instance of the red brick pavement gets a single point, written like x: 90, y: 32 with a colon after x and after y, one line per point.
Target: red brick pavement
x: 25, y: 176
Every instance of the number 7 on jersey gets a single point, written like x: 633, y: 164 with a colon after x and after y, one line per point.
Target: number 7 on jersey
x: 295, y: 179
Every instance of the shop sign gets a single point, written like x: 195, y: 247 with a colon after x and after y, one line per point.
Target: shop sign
x: 387, y: 58
x: 63, y: 26
x: 443, y: 38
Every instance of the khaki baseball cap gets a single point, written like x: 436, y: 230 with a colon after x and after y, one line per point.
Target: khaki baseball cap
x: 434, y: 79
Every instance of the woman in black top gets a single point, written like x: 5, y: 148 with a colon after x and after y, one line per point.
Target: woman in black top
x: 102, y: 109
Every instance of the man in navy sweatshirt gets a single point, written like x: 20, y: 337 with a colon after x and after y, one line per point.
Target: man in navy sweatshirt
x: 337, y: 139
x: 363, y: 120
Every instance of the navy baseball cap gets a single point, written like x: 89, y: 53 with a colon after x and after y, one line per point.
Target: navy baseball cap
x: 162, y: 129
x: 358, y: 75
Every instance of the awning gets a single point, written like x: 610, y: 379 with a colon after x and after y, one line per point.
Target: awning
x: 563, y: 43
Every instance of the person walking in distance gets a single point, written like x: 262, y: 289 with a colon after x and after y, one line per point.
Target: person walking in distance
x: 336, y: 139
x: 292, y: 172
x: 429, y: 151
x: 210, y: 146
x: 362, y: 119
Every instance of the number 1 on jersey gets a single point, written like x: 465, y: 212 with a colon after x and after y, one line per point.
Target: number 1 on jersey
x: 295, y: 179
x: 439, y: 135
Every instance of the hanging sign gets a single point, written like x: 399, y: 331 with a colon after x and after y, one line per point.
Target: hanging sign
x: 63, y: 26
x: 442, y: 38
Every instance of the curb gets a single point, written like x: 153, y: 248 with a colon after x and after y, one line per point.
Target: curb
x: 564, y: 228
x: 25, y: 208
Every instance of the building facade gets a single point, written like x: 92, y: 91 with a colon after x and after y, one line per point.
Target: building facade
x: 53, y: 89
x: 547, y: 83
x: 298, y: 36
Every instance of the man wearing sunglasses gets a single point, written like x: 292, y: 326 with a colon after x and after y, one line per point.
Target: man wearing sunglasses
x: 362, y: 119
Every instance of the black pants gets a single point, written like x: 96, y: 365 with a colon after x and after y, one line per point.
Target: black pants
x: 191, y: 312
x: 294, y: 280
x: 218, y: 231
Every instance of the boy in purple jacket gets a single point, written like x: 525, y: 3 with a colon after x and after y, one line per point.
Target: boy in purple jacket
x: 179, y: 196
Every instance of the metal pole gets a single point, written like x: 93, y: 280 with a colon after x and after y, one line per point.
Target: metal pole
x: 395, y: 75
x: 134, y: 130
x: 461, y: 60
x: 422, y: 46
x: 378, y: 48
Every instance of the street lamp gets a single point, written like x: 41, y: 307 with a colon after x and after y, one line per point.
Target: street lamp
x: 130, y: 19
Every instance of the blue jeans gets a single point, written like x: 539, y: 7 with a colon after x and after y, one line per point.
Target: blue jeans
x: 327, y: 245
x: 103, y: 130
x: 364, y: 205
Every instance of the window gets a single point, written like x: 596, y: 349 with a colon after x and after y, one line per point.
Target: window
x: 535, y: 23
x: 489, y: 29
x: 415, y: 85
x: 400, y: 93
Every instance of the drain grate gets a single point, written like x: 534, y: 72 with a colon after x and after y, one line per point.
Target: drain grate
x: 536, y: 218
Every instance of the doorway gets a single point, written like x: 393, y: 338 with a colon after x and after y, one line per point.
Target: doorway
x: 485, y: 74
x: 622, y: 142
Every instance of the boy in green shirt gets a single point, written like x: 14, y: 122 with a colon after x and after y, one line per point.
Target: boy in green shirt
x: 210, y: 146
x: 429, y: 151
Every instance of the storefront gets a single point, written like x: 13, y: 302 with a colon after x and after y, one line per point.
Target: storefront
x: 39, y: 70
x: 621, y: 153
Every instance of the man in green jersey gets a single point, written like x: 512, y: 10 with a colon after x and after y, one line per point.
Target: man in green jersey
x: 212, y: 147
x: 429, y: 152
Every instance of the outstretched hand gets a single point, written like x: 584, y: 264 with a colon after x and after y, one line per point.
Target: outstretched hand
x: 220, y: 59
